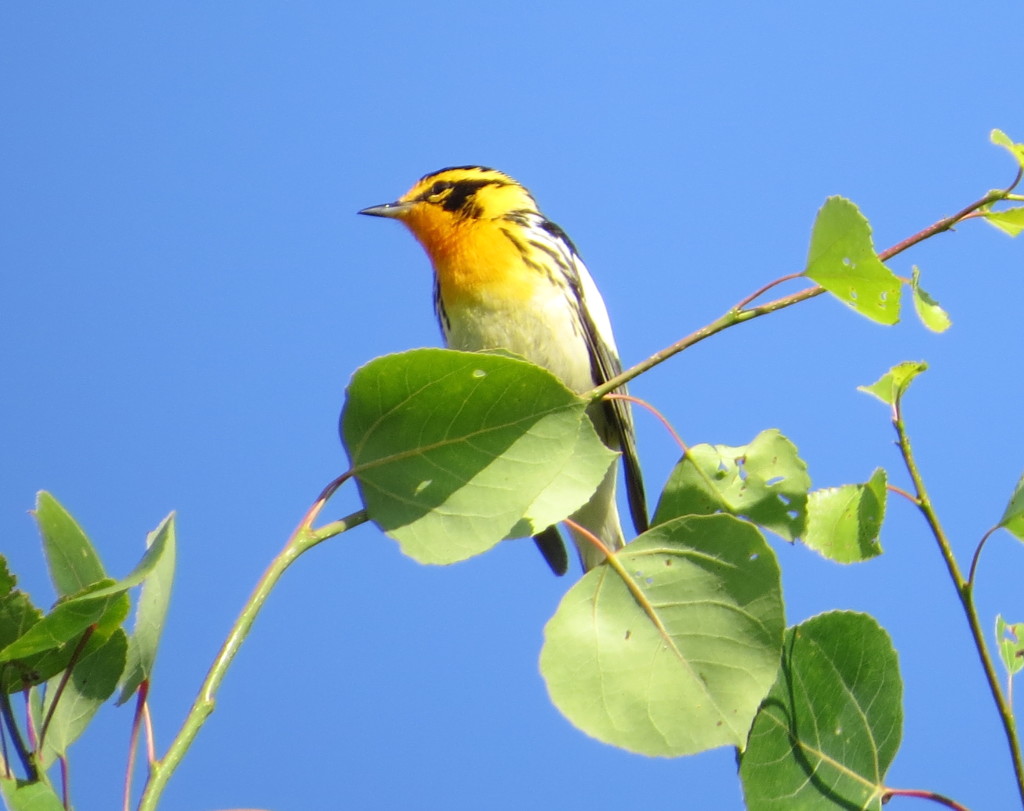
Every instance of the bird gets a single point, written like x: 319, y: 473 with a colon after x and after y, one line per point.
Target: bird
x: 506, y: 277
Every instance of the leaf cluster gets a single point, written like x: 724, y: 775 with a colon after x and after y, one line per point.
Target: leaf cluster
x: 68, y: 661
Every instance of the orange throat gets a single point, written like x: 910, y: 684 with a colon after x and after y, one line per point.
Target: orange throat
x: 473, y: 259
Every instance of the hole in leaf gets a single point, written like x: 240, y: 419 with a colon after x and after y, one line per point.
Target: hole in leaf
x: 753, y: 556
x: 479, y: 373
x: 774, y: 480
x: 423, y: 485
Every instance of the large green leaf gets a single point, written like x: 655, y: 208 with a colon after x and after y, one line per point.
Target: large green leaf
x: 842, y: 259
x: 677, y: 660
x: 829, y: 730
x: 765, y: 481
x: 455, y: 451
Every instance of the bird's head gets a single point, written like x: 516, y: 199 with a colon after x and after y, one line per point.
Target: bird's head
x: 452, y: 199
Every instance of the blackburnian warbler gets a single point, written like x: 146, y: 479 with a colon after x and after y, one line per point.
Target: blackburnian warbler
x: 506, y: 277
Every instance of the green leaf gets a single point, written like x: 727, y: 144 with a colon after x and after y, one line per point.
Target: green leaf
x: 41, y: 648
x: 17, y: 616
x: 928, y: 310
x: 7, y: 580
x: 830, y: 728
x: 842, y: 259
x: 1008, y: 220
x: 152, y: 610
x: 1000, y: 138
x: 844, y: 522
x: 455, y: 451
x: 677, y: 660
x: 1013, y: 515
x: 67, y: 622
x: 71, y: 557
x: 890, y: 387
x: 147, y: 564
x: 765, y: 481
x: 1010, y: 640
x: 573, y: 486
x: 92, y: 681
x: 22, y: 796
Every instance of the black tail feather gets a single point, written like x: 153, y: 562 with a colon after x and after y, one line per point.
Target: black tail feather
x: 552, y: 547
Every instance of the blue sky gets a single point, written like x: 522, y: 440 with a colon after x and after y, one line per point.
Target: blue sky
x: 186, y: 289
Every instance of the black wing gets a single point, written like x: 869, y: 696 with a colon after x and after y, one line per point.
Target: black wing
x: 605, y: 365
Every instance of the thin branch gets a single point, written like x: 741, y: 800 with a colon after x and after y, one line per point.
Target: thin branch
x: 590, y: 536
x: 947, y: 223
x: 321, y: 500
x: 964, y: 593
x: 19, y: 744
x: 65, y: 782
x: 901, y: 492
x: 133, y: 743
x: 657, y: 414
x: 889, y: 793
x: 65, y: 677
x: 303, y: 539
x: 758, y: 293
x: 742, y: 313
x: 977, y: 556
x: 150, y: 743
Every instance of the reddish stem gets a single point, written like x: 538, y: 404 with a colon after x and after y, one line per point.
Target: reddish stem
x: 923, y: 794
x: 661, y: 417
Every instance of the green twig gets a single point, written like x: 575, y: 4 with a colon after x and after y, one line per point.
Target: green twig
x: 303, y: 539
x: 63, y: 683
x: 964, y: 592
x: 741, y: 312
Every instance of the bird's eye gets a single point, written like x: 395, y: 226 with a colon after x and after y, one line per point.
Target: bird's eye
x: 438, y: 189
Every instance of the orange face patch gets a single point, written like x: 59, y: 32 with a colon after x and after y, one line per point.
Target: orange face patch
x: 472, y: 257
